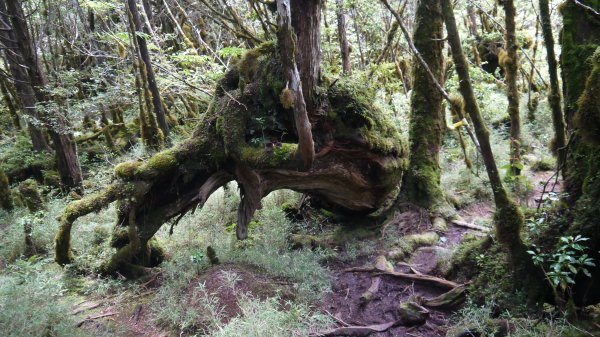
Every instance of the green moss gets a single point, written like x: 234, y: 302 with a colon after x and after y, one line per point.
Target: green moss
x: 354, y: 114
x: 587, y: 117
x: 30, y: 195
x: 409, y: 243
x: 5, y: 195
x: 51, y: 178
x: 127, y: 169
x: 158, y: 165
x: 278, y: 156
x: 249, y: 65
x: 76, y: 209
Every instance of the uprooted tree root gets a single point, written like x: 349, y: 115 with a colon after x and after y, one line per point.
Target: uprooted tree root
x: 248, y: 136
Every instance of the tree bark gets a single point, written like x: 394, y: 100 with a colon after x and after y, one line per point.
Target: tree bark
x: 343, y: 37
x: 427, y: 123
x: 554, y: 98
x: 306, y: 21
x: 511, y: 67
x: 10, y: 104
x: 580, y: 67
x: 67, y: 162
x: 144, y: 57
x: 286, y: 38
x: 508, y: 218
x: 26, y: 95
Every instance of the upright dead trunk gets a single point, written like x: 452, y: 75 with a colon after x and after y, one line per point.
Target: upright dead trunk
x: 343, y: 37
x: 427, y: 124
x: 559, y: 141
x: 508, y: 217
x: 510, y: 63
x: 472, y: 17
x: 306, y: 21
x: 292, y: 95
x: 144, y: 57
x: 33, y: 83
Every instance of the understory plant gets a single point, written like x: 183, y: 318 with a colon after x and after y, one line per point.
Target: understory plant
x: 561, y: 266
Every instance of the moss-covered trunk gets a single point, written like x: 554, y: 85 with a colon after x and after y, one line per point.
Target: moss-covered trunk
x: 358, y: 163
x: 427, y: 123
x: 558, y: 120
x: 510, y: 63
x: 580, y: 64
x: 508, y: 217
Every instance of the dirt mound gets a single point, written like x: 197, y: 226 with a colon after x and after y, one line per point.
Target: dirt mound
x: 226, y: 283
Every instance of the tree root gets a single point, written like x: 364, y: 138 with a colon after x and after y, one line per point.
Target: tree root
x: 447, y: 301
x: 357, y: 331
x: 436, y: 281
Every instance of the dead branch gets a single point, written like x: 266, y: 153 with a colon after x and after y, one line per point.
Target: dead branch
x: 91, y: 318
x: 465, y: 224
x: 357, y: 331
x: 587, y: 8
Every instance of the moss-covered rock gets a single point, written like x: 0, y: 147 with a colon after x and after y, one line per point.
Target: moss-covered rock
x: 30, y: 195
x: 51, y: 178
x: 5, y: 195
x: 410, y: 243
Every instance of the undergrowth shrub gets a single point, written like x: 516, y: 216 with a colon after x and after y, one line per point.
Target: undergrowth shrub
x: 32, y: 303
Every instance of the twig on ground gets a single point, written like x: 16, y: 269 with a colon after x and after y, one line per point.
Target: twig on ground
x: 91, y: 318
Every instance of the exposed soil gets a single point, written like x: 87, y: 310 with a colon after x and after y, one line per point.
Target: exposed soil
x: 344, y: 302
x: 249, y: 282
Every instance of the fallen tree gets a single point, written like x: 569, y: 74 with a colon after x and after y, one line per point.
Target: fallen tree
x: 248, y: 135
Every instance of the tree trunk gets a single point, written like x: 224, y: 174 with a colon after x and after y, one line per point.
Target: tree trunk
x: 343, y: 38
x: 472, y: 16
x: 306, y: 21
x: 144, y: 57
x: 580, y: 65
x: 22, y: 85
x: 67, y: 161
x: 10, y: 104
x: 511, y: 67
x: 508, y: 218
x: 427, y: 123
x: 558, y: 121
x: 292, y: 96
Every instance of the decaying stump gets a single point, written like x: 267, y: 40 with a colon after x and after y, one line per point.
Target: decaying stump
x: 248, y: 135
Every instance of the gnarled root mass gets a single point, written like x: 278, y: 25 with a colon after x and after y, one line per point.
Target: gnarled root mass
x: 248, y: 135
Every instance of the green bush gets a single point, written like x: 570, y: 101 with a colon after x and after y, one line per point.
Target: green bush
x: 31, y: 303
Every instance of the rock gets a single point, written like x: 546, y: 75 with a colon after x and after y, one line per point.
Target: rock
x: 381, y: 263
x: 439, y: 224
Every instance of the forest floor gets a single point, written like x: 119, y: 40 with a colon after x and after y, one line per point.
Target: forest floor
x: 130, y: 312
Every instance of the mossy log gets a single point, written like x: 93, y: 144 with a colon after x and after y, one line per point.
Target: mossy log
x: 247, y: 135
